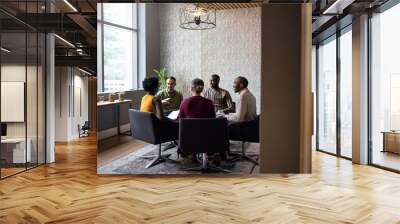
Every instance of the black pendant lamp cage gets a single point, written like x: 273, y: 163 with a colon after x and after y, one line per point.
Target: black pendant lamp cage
x: 196, y: 17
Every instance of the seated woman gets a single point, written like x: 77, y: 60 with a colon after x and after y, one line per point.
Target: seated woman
x: 197, y: 106
x: 151, y: 103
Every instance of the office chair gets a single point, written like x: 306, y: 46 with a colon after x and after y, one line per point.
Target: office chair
x: 246, y: 131
x: 204, y: 136
x: 84, y: 129
x: 147, y: 127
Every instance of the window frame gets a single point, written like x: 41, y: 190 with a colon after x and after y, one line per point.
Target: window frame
x: 135, y: 60
x: 334, y: 37
x: 381, y: 9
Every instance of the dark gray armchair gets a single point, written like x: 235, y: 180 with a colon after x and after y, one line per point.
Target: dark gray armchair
x: 204, y: 136
x: 246, y: 131
x: 147, y: 127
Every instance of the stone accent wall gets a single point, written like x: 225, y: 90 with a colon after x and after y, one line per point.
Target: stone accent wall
x: 233, y: 48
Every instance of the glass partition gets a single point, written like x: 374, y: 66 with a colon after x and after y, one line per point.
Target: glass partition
x: 14, y: 153
x: 22, y: 77
x: 346, y: 93
x: 385, y: 89
x: 327, y: 96
x: 31, y: 98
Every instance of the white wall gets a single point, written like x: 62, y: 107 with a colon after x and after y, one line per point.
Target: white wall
x: 231, y: 49
x: 70, y: 83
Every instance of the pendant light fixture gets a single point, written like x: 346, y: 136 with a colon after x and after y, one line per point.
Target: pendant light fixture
x: 196, y: 17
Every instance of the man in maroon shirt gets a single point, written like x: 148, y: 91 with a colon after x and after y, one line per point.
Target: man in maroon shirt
x: 197, y: 106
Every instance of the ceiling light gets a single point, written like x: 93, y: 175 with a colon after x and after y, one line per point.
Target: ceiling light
x: 70, y: 5
x: 64, y: 40
x: 337, y: 7
x: 84, y: 71
x: 5, y: 50
x: 196, y: 17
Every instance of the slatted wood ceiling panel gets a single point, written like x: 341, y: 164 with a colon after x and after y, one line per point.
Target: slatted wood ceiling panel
x: 223, y: 6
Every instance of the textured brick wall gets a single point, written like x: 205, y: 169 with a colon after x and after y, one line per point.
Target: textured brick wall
x: 233, y: 48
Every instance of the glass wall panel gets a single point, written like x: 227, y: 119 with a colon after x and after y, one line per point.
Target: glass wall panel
x: 31, y: 98
x: 346, y: 94
x: 41, y: 98
x: 14, y: 153
x: 385, y: 89
x: 327, y: 96
x: 22, y: 64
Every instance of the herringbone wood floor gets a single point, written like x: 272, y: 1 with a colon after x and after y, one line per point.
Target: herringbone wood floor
x: 70, y: 191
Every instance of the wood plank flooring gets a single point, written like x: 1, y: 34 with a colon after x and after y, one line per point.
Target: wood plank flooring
x: 70, y: 191
x: 116, y: 147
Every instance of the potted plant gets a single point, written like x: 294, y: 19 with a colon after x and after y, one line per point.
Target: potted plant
x: 162, y: 77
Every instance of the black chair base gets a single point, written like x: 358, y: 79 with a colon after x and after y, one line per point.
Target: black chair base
x: 206, y: 167
x: 170, y: 146
x: 157, y: 159
x: 243, y: 156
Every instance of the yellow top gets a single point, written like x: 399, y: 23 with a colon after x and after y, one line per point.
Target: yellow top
x: 147, y: 104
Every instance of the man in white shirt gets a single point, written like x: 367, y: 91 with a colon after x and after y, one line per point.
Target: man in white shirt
x: 246, y: 108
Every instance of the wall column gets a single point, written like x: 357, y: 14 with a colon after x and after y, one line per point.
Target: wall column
x: 360, y: 90
x: 50, y: 98
x: 286, y: 96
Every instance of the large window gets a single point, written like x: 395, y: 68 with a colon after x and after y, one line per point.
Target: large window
x: 385, y: 88
x: 327, y: 96
x: 117, y: 24
x: 346, y: 93
x: 334, y: 78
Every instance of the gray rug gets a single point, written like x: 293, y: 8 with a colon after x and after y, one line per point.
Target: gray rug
x: 133, y: 164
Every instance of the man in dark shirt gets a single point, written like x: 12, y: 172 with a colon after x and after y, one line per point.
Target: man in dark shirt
x: 171, y: 99
x: 197, y: 106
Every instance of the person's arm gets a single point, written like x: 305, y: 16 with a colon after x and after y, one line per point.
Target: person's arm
x: 164, y: 99
x: 180, y: 99
x: 240, y: 110
x: 159, y: 109
x: 213, y: 111
x: 229, y: 103
x: 181, y: 112
x: 205, y: 94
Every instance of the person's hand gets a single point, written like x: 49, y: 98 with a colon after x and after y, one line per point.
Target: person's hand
x: 225, y: 112
x: 220, y: 114
x: 166, y: 101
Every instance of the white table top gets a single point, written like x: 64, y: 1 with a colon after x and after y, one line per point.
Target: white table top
x: 105, y: 103
x: 13, y: 140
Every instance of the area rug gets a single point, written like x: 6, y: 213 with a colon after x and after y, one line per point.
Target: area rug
x: 134, y: 164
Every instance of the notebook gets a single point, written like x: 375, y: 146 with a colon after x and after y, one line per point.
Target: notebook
x: 173, y: 115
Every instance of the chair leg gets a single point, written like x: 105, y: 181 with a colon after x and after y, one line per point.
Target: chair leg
x: 170, y: 146
x: 206, y: 167
x: 157, y: 159
x: 243, y: 156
